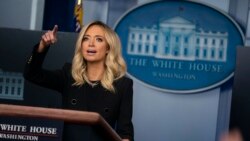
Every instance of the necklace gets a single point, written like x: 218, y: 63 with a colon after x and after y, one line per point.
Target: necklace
x: 93, y: 83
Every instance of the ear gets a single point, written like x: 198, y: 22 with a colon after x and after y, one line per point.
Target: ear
x: 107, y: 51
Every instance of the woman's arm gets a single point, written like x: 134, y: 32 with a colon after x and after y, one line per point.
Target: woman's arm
x: 33, y: 69
x: 124, y: 123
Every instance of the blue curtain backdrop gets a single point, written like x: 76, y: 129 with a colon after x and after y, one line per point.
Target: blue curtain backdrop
x: 60, y: 12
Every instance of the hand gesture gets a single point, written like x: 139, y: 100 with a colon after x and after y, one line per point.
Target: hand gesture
x: 234, y: 135
x: 48, y: 38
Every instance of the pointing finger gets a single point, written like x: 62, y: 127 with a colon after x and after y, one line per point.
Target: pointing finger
x: 55, y: 29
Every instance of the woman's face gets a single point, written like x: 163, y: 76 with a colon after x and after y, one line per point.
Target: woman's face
x: 94, y: 45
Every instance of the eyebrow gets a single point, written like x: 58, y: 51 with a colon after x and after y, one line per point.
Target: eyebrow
x: 94, y: 36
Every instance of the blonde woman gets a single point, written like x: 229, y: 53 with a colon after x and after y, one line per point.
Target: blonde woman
x: 95, y: 81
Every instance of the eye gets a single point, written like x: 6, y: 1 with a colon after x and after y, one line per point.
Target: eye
x: 84, y: 38
x: 99, y: 39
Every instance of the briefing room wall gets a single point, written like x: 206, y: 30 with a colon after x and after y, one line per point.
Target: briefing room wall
x: 206, y: 113
x: 179, y: 117
x: 164, y: 116
x: 159, y: 115
x: 23, y: 14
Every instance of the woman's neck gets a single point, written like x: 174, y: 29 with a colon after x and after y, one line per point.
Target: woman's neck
x: 95, y: 71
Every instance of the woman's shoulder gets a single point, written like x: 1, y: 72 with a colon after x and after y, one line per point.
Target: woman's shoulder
x: 67, y: 72
x: 67, y: 69
x: 124, y: 80
x: 67, y: 66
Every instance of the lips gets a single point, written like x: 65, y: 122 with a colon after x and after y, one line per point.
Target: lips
x: 91, y: 51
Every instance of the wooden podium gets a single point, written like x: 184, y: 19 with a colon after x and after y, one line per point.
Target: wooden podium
x: 69, y: 116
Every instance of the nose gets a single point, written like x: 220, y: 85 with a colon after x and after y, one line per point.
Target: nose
x: 91, y: 42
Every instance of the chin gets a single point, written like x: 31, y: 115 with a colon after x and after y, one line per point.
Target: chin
x: 92, y: 60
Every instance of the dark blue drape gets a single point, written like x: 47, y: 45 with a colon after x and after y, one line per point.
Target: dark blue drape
x: 60, y: 12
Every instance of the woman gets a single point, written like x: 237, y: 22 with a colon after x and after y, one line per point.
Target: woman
x: 94, y: 82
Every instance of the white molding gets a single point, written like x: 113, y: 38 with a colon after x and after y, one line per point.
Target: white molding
x: 33, y: 14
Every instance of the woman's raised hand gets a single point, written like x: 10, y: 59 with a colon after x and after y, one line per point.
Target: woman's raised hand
x: 48, y: 38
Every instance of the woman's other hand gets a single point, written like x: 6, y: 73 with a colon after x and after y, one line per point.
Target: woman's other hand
x: 233, y: 135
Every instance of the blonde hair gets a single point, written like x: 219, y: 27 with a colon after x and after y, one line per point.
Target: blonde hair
x: 115, y: 66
